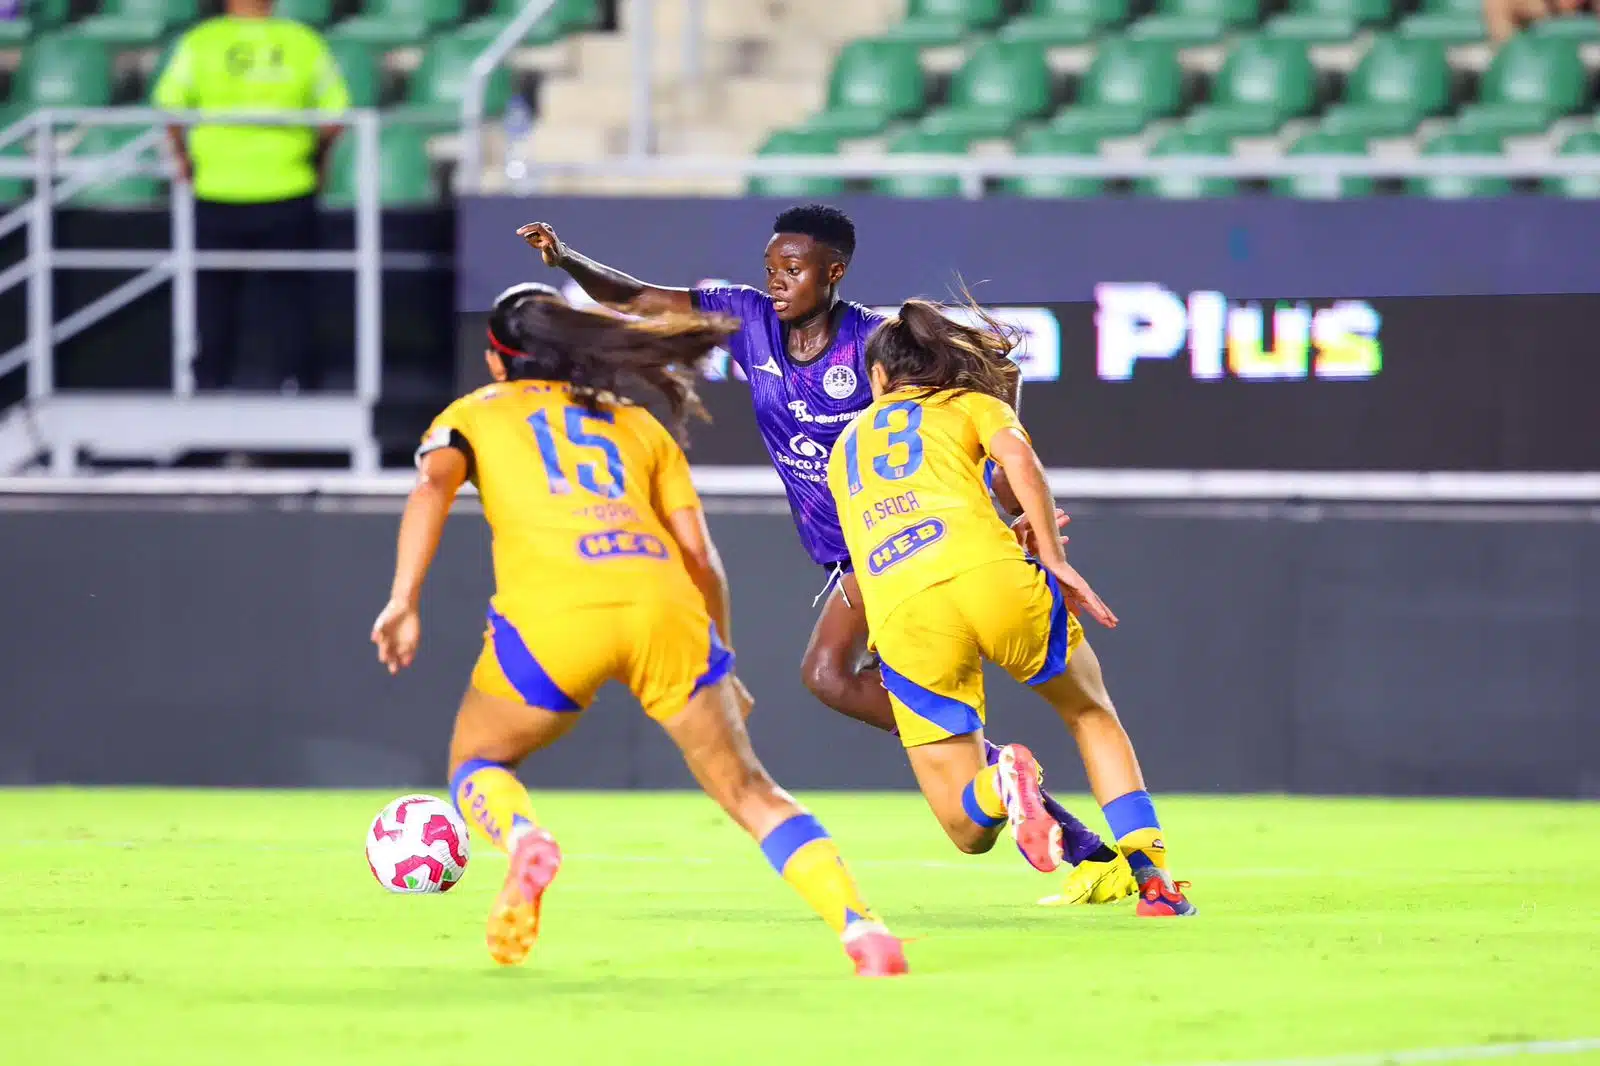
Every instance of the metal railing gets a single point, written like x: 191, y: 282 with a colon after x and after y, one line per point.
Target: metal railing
x: 469, y: 172
x: 57, y: 180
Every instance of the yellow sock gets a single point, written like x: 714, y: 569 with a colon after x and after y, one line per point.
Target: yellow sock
x: 492, y: 800
x: 806, y: 857
x: 981, y: 798
x: 1132, y: 818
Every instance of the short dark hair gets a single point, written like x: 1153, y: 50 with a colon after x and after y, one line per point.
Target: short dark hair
x: 823, y: 224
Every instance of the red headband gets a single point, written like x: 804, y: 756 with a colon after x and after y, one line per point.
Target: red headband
x: 504, y: 349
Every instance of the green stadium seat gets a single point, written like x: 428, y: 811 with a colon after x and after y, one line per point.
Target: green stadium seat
x: 1188, y: 22
x: 405, y: 174
x: 1582, y: 27
x: 930, y: 23
x: 1319, y: 21
x: 1531, y: 82
x: 1398, y: 83
x: 1065, y: 22
x: 1446, y: 21
x: 358, y: 62
x: 64, y: 70
x: 124, y: 191
x: 1000, y: 86
x: 433, y: 95
x: 1046, y: 142
x: 311, y: 12
x: 1172, y: 186
x: 1262, y: 83
x: 397, y: 23
x: 13, y: 189
x: 1326, y: 186
x: 873, y: 83
x: 923, y: 186
x: 1129, y: 84
x: 39, y: 16
x: 137, y: 23
x: 794, y: 187
x: 1459, y: 143
x: 1578, y: 186
x: 564, y: 17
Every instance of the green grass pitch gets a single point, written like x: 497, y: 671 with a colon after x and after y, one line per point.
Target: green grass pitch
x: 243, y: 927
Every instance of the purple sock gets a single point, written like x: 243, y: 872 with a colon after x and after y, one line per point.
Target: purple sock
x: 1078, y: 841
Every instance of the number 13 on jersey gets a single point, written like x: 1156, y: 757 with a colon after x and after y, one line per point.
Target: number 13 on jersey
x: 903, y: 454
x: 575, y: 430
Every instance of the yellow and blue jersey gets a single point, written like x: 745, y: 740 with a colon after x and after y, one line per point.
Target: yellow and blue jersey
x: 944, y: 582
x: 589, y: 582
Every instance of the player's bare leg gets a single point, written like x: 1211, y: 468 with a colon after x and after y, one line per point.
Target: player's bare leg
x: 492, y: 735
x: 1079, y: 696
x: 973, y: 799
x: 711, y: 734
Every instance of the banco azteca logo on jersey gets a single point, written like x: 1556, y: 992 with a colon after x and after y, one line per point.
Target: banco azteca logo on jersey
x: 839, y: 382
x: 801, y: 444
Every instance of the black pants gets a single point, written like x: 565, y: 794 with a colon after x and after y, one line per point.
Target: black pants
x: 255, y: 326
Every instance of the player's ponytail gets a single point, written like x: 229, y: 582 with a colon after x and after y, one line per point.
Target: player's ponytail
x: 923, y: 348
x: 603, y: 355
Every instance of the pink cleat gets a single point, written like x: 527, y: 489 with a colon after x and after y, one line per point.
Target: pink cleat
x: 1037, y: 834
x: 514, y: 919
x: 875, y: 951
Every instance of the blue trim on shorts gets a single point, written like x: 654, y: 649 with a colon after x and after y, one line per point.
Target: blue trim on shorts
x: 792, y: 834
x: 523, y: 670
x: 990, y: 468
x: 1055, y: 655
x: 951, y: 715
x: 719, y: 663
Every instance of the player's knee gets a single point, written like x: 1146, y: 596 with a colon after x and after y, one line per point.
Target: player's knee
x: 827, y: 678
x: 968, y: 837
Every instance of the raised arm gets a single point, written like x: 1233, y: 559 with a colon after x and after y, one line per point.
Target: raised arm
x: 606, y: 285
x: 398, y: 630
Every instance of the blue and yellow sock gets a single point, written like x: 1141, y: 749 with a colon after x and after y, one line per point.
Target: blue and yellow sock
x: 981, y: 799
x: 492, y: 800
x: 806, y: 857
x: 1132, y: 818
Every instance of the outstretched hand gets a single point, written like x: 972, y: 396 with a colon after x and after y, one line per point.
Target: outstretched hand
x: 541, y: 237
x: 1081, y: 599
x: 397, y: 632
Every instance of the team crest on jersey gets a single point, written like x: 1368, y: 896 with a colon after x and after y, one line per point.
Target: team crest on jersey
x: 839, y: 382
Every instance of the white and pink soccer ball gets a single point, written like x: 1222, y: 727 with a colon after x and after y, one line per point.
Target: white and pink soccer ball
x: 417, y: 844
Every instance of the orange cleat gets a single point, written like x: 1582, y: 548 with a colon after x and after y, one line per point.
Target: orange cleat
x: 1162, y: 897
x: 875, y: 951
x: 514, y: 919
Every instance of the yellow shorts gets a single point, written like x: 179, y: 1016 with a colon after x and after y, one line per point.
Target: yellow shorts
x: 933, y: 645
x: 664, y: 649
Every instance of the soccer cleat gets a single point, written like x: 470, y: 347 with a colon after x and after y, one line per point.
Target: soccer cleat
x: 875, y: 951
x: 1162, y: 897
x: 1095, y: 882
x: 514, y: 919
x: 1037, y: 835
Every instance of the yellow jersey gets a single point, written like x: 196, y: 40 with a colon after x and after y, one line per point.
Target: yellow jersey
x: 907, y: 476
x: 576, y: 500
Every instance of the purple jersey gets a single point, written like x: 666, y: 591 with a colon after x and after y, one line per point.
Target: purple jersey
x: 801, y: 409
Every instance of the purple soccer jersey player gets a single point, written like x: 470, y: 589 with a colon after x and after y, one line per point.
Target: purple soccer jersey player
x: 803, y: 350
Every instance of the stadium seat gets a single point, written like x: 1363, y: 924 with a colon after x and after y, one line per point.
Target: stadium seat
x: 1050, y: 143
x: 37, y: 17
x: 1325, y: 186
x: 1186, y: 22
x: 923, y: 186
x: 358, y: 62
x: 1001, y: 85
x: 1458, y: 143
x: 125, y: 191
x: 64, y: 70
x: 563, y: 18
x: 1446, y: 21
x: 1580, y: 27
x: 873, y: 83
x: 1397, y: 84
x: 1578, y: 186
x: 1332, y: 21
x: 14, y: 189
x: 797, y: 142
x: 1065, y: 22
x: 1531, y: 82
x: 137, y: 23
x: 1129, y: 84
x: 311, y: 12
x: 433, y: 96
x: 405, y: 176
x: 1172, y: 186
x: 938, y: 22
x: 397, y: 23
x: 1262, y: 83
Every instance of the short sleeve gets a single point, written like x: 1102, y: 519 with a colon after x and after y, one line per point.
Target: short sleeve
x: 452, y: 429
x: 671, y: 487
x: 749, y: 305
x: 174, y: 89
x: 328, y: 89
x: 990, y: 416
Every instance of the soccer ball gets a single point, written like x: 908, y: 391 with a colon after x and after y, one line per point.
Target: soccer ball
x: 417, y: 844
